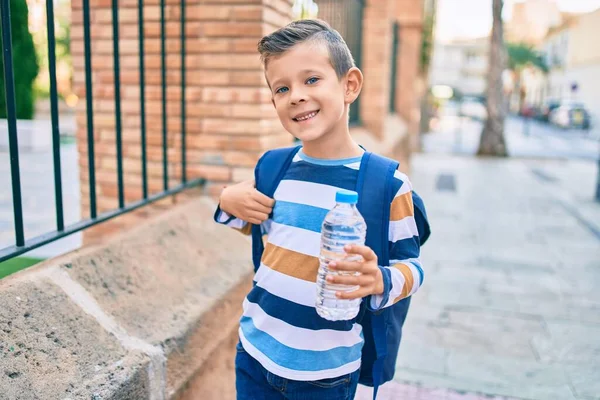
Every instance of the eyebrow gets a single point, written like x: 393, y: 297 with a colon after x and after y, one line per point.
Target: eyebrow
x: 307, y: 71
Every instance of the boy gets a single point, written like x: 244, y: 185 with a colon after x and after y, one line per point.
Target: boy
x: 286, y: 350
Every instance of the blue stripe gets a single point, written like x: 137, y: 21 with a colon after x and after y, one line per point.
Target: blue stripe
x: 338, y: 176
x: 300, y: 360
x: 299, y: 215
x: 405, y: 248
x: 293, y: 313
x: 327, y: 162
x: 420, y: 273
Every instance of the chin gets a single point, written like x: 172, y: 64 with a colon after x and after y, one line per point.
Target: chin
x: 308, y: 136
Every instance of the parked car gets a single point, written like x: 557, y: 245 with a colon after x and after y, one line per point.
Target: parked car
x: 547, y: 109
x: 571, y: 115
x: 529, y: 111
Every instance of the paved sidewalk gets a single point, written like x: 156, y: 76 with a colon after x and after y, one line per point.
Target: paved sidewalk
x: 511, y: 303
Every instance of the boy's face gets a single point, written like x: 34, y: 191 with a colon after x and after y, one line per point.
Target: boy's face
x: 310, y: 100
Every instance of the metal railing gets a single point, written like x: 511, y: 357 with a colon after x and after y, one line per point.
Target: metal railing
x: 23, y: 244
x: 394, y: 71
x: 346, y: 16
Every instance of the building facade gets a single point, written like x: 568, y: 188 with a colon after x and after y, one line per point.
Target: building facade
x: 574, y: 64
x: 229, y: 119
x: 461, y: 64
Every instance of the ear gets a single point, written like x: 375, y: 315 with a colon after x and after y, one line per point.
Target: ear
x: 353, y: 82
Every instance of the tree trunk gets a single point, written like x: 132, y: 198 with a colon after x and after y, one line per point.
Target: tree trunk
x: 492, y: 137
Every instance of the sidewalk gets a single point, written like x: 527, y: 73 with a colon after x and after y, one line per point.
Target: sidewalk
x: 510, y: 304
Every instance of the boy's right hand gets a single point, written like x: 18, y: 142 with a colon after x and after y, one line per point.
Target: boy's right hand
x: 243, y: 201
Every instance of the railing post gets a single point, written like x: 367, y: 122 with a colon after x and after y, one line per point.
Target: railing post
x: 12, y: 121
x: 60, y: 223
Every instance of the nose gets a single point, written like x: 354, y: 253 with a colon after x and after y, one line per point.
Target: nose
x: 297, y: 96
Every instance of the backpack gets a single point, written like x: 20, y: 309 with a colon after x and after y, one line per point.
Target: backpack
x: 382, y: 330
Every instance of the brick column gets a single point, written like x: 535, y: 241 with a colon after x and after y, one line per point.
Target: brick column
x: 376, y: 64
x: 230, y: 120
x: 408, y: 92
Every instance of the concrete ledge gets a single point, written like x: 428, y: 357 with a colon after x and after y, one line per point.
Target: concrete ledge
x: 394, y: 143
x: 137, y: 317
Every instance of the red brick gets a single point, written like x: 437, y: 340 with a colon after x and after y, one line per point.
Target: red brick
x: 247, y: 13
x: 203, y: 12
x: 232, y: 29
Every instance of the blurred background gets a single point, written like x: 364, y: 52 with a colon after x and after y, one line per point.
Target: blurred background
x: 126, y: 109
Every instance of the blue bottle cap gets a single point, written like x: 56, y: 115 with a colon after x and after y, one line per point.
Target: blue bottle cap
x: 346, y: 196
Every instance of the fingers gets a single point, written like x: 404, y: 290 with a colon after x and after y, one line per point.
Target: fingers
x: 254, y: 207
x: 351, y: 266
x: 256, y: 217
x: 355, y: 294
x: 262, y: 199
x: 364, y: 251
x: 350, y: 280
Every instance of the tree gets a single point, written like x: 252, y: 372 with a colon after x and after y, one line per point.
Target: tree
x: 521, y: 56
x: 25, y: 63
x: 492, y: 141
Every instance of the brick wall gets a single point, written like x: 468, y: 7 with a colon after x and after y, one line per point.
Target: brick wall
x: 230, y: 120
x: 376, y: 64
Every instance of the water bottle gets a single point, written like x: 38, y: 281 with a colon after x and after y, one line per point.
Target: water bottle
x: 342, y: 225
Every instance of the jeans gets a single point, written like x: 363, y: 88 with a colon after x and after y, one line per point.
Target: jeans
x: 254, y: 382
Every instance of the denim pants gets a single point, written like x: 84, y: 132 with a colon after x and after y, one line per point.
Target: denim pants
x: 253, y: 382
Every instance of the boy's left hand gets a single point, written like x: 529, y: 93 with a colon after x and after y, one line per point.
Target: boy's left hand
x: 370, y: 280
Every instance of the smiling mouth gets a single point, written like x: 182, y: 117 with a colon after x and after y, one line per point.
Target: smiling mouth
x: 306, y: 117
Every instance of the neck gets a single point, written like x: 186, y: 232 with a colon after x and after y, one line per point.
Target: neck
x: 333, y: 145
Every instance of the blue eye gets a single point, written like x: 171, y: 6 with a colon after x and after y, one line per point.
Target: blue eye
x: 282, y: 89
x: 312, y: 80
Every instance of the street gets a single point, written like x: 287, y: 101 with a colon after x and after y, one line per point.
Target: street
x: 510, y: 306
x: 523, y: 138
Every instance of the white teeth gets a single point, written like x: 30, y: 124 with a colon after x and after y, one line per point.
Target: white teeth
x: 309, y: 116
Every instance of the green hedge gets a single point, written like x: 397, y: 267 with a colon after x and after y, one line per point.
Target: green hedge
x: 25, y: 63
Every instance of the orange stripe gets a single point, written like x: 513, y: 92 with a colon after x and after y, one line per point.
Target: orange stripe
x: 402, y: 207
x: 291, y: 263
x: 246, y: 230
x: 408, y: 281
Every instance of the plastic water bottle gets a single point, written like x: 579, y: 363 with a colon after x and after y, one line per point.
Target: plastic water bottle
x: 342, y: 225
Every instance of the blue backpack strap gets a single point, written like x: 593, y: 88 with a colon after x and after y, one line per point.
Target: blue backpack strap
x: 375, y: 195
x: 421, y: 218
x: 268, y: 173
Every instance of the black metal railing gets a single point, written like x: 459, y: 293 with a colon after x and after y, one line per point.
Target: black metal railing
x: 346, y: 16
x: 23, y: 244
x: 394, y: 63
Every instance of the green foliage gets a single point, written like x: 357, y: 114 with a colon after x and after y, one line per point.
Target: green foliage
x: 25, y: 63
x: 16, y: 264
x: 427, y: 42
x: 521, y: 55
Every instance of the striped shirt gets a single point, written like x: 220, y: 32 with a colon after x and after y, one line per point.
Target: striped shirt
x: 280, y: 327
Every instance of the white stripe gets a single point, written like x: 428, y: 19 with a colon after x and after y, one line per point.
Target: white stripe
x: 287, y: 287
x: 293, y: 374
x: 301, y: 338
x: 405, y: 228
x: 405, y: 188
x: 355, y: 165
x: 308, y: 193
x: 235, y: 223
x: 397, y: 285
x: 295, y: 239
x: 297, y: 157
x: 416, y: 278
x: 402, y: 177
x: 223, y: 216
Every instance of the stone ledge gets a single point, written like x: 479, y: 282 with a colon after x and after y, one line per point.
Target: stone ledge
x: 394, y: 143
x: 167, y: 293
